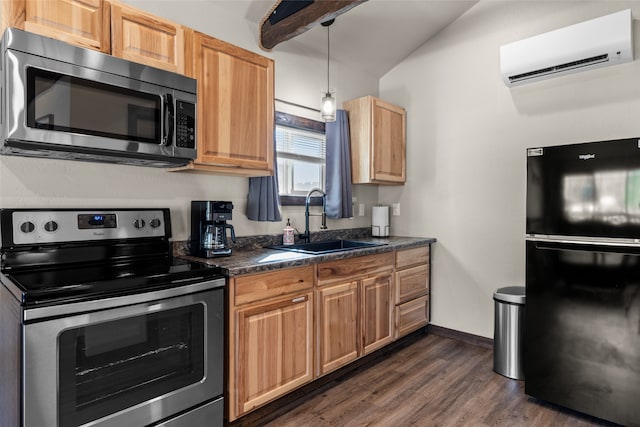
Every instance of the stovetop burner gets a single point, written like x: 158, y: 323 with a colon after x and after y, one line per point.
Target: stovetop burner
x: 63, y: 285
x: 68, y: 255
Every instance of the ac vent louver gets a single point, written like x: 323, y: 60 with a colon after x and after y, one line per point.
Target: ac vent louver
x: 600, y: 42
x: 559, y: 68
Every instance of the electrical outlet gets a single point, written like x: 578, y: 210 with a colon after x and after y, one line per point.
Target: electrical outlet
x: 360, y: 209
x: 396, y: 209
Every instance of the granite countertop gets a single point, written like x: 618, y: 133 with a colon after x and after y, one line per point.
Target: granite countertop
x: 251, y: 256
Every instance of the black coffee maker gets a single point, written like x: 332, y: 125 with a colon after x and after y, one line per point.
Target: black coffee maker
x: 209, y: 228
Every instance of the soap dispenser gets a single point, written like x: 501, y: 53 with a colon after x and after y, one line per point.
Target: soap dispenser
x: 288, y: 234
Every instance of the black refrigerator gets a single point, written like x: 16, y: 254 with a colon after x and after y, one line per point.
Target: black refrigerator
x: 582, y: 341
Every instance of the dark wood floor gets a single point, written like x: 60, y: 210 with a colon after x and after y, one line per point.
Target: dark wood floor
x: 435, y: 381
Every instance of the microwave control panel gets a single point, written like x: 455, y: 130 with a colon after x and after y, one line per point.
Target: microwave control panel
x: 185, y: 124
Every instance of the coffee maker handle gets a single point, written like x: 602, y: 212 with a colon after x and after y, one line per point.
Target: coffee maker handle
x: 233, y: 233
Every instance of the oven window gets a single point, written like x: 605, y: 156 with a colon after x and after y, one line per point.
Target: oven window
x: 70, y: 104
x: 111, y: 366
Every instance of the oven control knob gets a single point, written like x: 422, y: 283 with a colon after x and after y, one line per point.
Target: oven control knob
x: 27, y: 227
x: 155, y: 223
x: 138, y: 223
x: 50, y: 226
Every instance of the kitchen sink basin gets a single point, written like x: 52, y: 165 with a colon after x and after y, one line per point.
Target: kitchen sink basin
x: 327, y: 246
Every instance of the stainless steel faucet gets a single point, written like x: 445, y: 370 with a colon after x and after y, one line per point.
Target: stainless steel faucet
x: 307, y: 235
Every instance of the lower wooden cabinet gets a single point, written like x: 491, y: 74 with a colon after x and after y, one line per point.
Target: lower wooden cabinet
x: 354, y: 313
x: 274, y: 349
x: 270, y: 337
x: 412, y: 315
x: 337, y: 320
x: 412, y: 289
x: 288, y: 327
x: 377, y: 312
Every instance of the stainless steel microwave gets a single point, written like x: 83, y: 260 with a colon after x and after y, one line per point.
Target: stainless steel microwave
x: 67, y: 102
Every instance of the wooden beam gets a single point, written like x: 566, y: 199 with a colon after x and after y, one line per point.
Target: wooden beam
x: 317, y: 12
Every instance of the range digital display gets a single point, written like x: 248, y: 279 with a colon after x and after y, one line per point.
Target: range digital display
x: 89, y: 221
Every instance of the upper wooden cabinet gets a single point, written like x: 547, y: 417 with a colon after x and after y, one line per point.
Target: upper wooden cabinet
x: 235, y: 108
x: 378, y: 141
x: 141, y: 37
x: 80, y: 22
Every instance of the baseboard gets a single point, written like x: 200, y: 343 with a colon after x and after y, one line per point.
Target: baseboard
x: 460, y: 336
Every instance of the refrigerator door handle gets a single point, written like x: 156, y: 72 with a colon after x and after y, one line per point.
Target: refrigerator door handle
x: 587, y: 247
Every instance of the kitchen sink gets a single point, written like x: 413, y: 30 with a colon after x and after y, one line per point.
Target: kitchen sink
x: 327, y: 246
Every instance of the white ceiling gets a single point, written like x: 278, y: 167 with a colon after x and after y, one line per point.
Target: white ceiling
x: 374, y: 36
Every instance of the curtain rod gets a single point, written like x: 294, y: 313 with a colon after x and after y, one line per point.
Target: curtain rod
x: 297, y: 105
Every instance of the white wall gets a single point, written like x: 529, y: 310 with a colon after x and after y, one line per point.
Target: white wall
x: 299, y: 78
x: 467, y: 134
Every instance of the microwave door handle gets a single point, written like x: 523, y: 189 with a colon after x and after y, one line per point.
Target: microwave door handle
x: 169, y: 120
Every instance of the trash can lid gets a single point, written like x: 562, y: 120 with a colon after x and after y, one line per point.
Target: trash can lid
x: 512, y: 294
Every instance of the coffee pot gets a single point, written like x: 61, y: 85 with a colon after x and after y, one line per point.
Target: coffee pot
x: 209, y: 228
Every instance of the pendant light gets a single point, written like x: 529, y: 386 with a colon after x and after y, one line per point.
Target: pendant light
x: 328, y: 108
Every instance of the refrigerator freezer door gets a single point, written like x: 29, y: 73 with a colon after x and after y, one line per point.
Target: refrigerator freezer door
x: 585, y: 191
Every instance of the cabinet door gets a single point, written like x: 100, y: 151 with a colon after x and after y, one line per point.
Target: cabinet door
x: 235, y: 107
x: 274, y: 350
x: 388, y: 144
x: 337, y: 325
x: 141, y: 37
x: 377, y: 312
x: 80, y: 22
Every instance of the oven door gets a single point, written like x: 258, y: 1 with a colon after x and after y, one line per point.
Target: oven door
x: 125, y: 366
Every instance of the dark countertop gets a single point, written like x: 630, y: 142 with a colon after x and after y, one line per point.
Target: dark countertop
x: 252, y: 259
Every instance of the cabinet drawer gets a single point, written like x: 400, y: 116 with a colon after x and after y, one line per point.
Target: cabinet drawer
x: 413, y: 256
x: 412, y: 315
x: 411, y: 282
x: 352, y: 267
x: 258, y: 287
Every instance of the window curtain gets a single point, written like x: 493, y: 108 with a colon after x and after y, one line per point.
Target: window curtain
x: 263, y: 201
x: 338, y: 167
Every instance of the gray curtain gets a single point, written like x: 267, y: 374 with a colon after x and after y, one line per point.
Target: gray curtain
x: 263, y: 201
x: 338, y: 169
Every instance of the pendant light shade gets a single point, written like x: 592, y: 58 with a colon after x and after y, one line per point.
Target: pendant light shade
x: 328, y: 106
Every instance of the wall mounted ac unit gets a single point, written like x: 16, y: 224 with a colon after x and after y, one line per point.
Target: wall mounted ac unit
x: 600, y: 42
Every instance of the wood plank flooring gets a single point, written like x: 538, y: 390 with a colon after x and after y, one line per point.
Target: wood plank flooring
x: 434, y: 381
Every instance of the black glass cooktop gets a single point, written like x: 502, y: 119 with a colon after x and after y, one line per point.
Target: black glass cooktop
x: 58, y: 285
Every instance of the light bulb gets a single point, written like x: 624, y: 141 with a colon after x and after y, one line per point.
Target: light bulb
x: 328, y: 107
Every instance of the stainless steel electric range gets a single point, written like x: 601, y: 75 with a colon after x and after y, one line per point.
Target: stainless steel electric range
x: 101, y: 326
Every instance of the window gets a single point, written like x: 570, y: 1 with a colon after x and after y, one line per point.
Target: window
x: 300, y: 146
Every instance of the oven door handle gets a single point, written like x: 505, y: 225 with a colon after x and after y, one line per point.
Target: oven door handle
x: 169, y: 120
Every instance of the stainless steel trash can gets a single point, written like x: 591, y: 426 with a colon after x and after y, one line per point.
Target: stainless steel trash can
x: 508, y: 332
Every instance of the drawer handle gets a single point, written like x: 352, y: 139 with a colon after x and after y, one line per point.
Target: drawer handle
x: 299, y: 299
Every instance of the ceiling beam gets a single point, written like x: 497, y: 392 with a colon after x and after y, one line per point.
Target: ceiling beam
x: 303, y: 20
